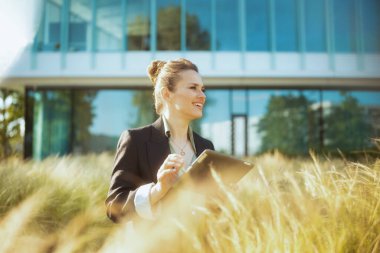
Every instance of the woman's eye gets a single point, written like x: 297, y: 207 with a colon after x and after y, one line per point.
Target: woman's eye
x: 193, y: 88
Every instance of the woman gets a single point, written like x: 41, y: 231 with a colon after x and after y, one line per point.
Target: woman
x: 150, y: 159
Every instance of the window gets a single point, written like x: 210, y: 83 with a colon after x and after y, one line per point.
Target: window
x: 109, y: 25
x: 285, y: 25
x: 284, y: 120
x: 351, y: 120
x: 227, y: 25
x: 344, y: 25
x: 78, y: 121
x: 51, y: 123
x: 198, y: 24
x: 124, y: 109
x: 257, y: 16
x: 138, y: 25
x: 80, y: 25
x: 168, y: 25
x: 370, y: 25
x: 315, y: 26
x: 216, y: 126
x: 49, y: 36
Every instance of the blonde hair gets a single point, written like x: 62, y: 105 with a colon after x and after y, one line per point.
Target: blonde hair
x: 166, y: 74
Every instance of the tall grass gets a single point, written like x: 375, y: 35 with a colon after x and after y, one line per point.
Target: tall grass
x: 283, y: 205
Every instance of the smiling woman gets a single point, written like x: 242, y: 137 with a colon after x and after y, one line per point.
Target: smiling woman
x: 150, y: 159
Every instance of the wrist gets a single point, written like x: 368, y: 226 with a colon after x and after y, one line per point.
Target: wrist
x: 156, y: 193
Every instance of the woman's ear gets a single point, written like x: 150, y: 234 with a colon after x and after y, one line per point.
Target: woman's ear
x: 165, y: 94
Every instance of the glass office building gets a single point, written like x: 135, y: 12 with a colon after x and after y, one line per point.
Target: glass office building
x: 291, y: 75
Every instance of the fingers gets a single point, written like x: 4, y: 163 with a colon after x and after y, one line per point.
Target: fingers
x: 168, y: 172
x: 173, y: 161
x: 167, y: 177
x: 171, y: 173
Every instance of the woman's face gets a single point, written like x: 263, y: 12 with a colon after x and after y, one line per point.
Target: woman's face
x: 188, y: 97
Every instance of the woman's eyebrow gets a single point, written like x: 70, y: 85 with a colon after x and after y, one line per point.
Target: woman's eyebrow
x: 197, y: 84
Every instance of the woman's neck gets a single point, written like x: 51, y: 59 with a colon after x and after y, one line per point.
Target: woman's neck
x: 178, y: 127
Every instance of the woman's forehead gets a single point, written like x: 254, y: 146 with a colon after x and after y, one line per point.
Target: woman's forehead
x: 191, y: 77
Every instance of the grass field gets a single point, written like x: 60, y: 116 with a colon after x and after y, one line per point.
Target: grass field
x: 313, y: 204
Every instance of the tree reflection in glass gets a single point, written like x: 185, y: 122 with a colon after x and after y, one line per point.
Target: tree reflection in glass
x: 288, y: 125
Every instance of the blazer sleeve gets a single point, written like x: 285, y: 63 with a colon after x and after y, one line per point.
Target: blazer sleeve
x: 125, y: 179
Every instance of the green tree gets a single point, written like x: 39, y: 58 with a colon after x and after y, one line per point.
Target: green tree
x: 288, y: 125
x: 346, y: 127
x: 83, y: 107
x: 11, y: 119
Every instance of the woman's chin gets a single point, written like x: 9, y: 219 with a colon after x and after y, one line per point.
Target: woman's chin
x: 198, y: 115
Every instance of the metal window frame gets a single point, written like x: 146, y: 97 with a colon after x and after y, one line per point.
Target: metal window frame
x: 65, y: 22
x: 245, y: 117
x: 183, y: 26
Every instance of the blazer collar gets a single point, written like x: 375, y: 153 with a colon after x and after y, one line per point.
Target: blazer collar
x: 199, y: 144
x: 159, y: 136
x: 158, y: 131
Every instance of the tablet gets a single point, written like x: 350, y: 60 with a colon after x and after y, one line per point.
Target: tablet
x: 228, y: 168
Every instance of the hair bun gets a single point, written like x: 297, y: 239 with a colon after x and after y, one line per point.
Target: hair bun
x: 154, y: 69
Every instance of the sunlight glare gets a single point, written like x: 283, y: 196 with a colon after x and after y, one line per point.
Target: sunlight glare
x: 19, y: 20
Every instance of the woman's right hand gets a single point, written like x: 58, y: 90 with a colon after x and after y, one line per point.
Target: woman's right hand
x: 167, y: 175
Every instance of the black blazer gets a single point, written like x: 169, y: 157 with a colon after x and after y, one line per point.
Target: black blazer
x: 140, y: 153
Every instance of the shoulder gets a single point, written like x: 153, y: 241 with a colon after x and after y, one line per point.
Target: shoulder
x: 135, y: 134
x: 140, y: 131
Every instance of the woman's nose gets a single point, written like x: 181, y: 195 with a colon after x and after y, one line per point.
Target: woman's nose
x: 202, y: 94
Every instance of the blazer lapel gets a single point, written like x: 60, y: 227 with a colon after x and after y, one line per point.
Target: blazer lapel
x: 199, y: 144
x: 157, y: 148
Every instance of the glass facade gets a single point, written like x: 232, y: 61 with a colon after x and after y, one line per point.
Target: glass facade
x: 137, y: 28
x: 198, y: 25
x: 248, y: 122
x: 344, y: 25
x: 315, y: 26
x: 80, y: 121
x: 251, y: 120
x: 350, y: 120
x: 350, y: 26
x: 227, y: 36
x: 258, y: 25
x: 51, y: 113
x: 49, y: 35
x: 79, y: 29
x: 168, y: 25
x: 285, y: 15
x: 109, y: 28
x: 369, y: 12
